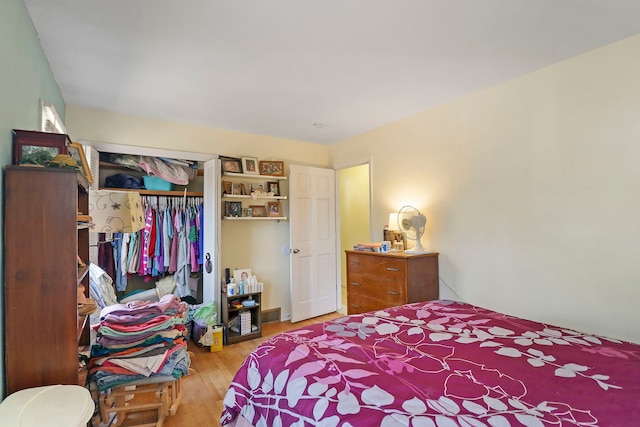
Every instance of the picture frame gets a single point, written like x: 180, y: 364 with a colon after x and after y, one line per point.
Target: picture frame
x: 76, y: 151
x: 273, y: 187
x: 271, y: 167
x: 258, y: 190
x: 231, y: 164
x: 394, y: 236
x: 232, y: 209
x: 250, y: 165
x: 241, y: 274
x: 247, y: 212
x: 274, y: 209
x: 236, y: 189
x: 227, y: 187
x: 258, y: 210
x: 31, y: 143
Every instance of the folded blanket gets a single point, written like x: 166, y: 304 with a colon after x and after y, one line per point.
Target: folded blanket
x: 174, y: 173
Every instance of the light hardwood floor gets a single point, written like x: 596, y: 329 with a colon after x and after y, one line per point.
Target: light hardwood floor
x: 203, y: 392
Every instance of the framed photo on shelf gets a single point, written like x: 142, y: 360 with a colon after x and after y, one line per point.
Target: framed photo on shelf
x: 241, y: 274
x: 273, y: 187
x: 250, y: 165
x: 236, y: 189
x: 246, y: 212
x: 233, y: 209
x: 35, y: 151
x: 231, y: 164
x: 274, y: 209
x: 76, y: 151
x: 227, y: 187
x: 271, y: 167
x: 258, y: 210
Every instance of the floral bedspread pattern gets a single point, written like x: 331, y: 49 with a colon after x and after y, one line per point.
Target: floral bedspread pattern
x: 439, y: 363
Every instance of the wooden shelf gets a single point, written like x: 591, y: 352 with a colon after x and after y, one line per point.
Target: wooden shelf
x: 82, y: 321
x: 255, y: 218
x: 228, y: 313
x: 109, y: 165
x: 82, y: 272
x: 233, y: 337
x: 251, y: 176
x: 159, y: 192
x: 244, y: 196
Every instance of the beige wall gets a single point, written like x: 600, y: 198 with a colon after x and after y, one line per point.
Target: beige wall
x: 531, y: 190
x: 254, y: 245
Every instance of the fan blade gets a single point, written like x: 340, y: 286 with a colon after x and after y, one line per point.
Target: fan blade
x: 419, y: 221
x: 406, y: 223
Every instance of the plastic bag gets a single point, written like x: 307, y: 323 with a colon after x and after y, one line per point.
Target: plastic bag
x: 206, y: 314
x: 207, y: 339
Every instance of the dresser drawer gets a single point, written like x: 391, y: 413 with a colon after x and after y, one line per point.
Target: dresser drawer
x: 377, y: 287
x: 358, y: 303
x: 394, y: 268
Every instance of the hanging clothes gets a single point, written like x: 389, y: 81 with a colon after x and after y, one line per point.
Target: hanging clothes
x: 169, y: 243
x: 105, y: 255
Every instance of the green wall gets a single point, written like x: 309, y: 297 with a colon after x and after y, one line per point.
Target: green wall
x: 25, y: 78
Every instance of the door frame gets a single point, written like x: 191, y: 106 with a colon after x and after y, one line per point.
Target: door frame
x: 214, y: 295
x: 354, y: 163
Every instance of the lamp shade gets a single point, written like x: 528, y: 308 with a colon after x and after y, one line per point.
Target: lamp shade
x: 115, y: 211
x: 393, y: 221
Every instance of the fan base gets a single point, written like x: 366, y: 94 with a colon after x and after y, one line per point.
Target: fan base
x: 415, y: 251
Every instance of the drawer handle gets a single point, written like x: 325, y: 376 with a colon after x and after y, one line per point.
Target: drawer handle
x: 356, y: 284
x: 393, y: 292
x: 355, y: 305
x: 392, y: 269
x: 354, y: 262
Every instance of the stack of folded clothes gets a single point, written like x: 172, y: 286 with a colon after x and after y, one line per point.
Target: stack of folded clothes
x: 140, y: 340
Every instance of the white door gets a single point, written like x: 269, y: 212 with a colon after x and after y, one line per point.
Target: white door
x: 312, y: 241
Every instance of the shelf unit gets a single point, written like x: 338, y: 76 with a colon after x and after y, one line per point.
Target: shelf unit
x: 249, y: 200
x: 45, y: 232
x: 229, y: 313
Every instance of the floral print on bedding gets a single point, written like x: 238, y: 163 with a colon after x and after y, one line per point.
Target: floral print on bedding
x: 439, y: 363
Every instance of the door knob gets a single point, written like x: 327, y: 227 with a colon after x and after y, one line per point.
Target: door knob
x: 288, y: 251
x: 208, y: 266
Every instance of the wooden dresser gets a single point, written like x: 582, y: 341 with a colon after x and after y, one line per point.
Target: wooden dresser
x: 43, y: 238
x: 379, y: 280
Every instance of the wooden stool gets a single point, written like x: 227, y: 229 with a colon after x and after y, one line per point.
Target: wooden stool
x: 168, y: 394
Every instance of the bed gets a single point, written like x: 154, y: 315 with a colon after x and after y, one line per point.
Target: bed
x: 439, y: 363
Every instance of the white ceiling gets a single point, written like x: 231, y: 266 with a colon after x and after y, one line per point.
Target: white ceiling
x: 277, y: 67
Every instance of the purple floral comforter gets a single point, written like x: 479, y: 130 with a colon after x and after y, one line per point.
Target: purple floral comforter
x: 439, y: 363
